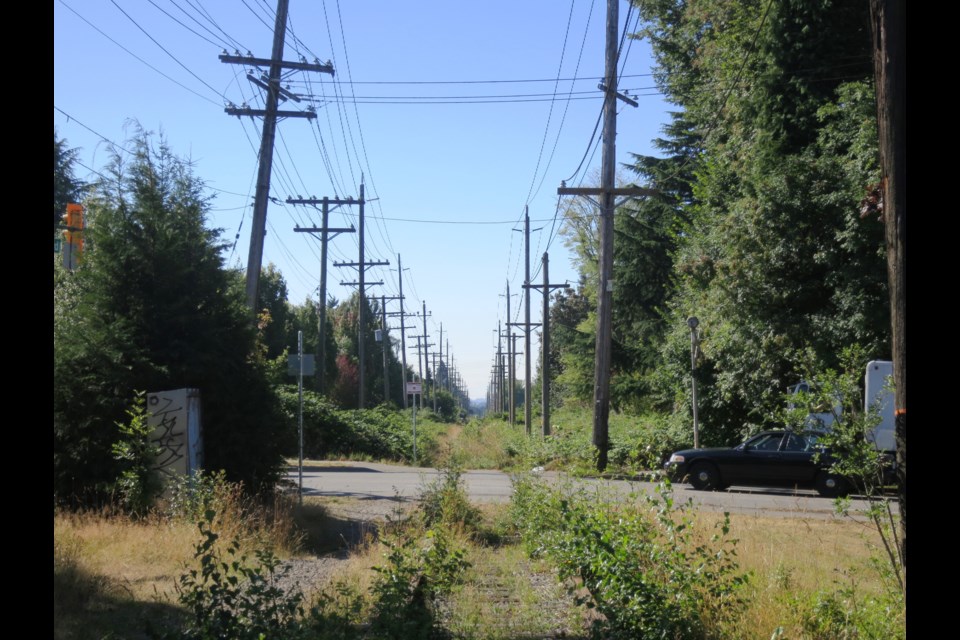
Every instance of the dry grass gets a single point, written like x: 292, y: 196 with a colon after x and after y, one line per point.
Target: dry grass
x: 790, y: 561
x: 112, y: 573
x: 142, y: 556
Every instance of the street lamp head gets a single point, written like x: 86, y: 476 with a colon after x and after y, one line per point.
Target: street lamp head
x: 692, y: 322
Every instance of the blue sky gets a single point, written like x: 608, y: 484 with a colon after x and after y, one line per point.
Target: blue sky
x: 426, y: 104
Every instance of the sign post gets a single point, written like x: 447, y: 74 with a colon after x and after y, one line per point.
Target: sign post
x: 300, y: 417
x: 414, y: 388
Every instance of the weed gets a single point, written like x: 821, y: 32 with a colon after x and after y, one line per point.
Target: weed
x: 648, y: 577
x: 410, y: 583
x: 444, y: 502
x: 139, y: 482
x: 233, y: 596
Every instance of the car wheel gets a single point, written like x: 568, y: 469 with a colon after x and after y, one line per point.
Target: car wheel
x: 830, y: 485
x: 705, y: 477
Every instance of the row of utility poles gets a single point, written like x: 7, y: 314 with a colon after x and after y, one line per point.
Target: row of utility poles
x: 604, y: 198
x: 270, y: 83
x: 501, y: 394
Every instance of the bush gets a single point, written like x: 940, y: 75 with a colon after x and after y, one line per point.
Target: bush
x: 649, y: 577
x: 444, y: 502
x: 153, y: 307
x: 139, y: 483
x: 328, y: 431
x: 409, y: 584
x: 233, y: 596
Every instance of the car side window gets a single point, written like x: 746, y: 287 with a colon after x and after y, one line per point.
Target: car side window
x: 796, y: 442
x: 770, y: 442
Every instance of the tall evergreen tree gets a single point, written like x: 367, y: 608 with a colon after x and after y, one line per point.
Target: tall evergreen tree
x: 66, y: 187
x: 773, y: 255
x: 153, y: 308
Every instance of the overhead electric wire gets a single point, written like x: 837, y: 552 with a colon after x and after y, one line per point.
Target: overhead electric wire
x: 196, y: 4
x: 258, y: 16
x: 176, y: 82
x: 199, y: 35
x: 165, y: 50
x: 382, y: 230
x: 494, y: 81
x: 566, y: 107
x: 225, y: 41
x: 335, y: 85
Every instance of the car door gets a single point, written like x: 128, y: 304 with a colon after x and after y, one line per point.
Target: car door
x: 795, y: 465
x: 756, y: 460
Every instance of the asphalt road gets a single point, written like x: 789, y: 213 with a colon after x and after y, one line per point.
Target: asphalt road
x: 370, y: 481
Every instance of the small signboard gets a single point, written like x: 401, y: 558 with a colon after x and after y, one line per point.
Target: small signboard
x: 293, y: 365
x: 414, y: 388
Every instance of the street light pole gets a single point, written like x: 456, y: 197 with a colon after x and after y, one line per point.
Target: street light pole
x: 693, y: 323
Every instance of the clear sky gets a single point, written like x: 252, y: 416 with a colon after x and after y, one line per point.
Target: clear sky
x: 452, y: 113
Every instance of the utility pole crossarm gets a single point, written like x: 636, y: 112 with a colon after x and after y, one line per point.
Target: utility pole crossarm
x: 243, y: 111
x: 315, y: 201
x: 636, y: 192
x: 283, y: 64
x: 366, y: 265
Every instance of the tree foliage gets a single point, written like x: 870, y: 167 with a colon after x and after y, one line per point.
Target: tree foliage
x: 153, y: 308
x: 755, y: 227
x: 66, y: 187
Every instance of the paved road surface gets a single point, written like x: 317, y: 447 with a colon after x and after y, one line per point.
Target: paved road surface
x: 382, y: 482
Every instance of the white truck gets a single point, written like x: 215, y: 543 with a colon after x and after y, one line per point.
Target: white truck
x: 878, y: 395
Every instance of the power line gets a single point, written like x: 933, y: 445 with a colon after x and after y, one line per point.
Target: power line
x: 206, y: 14
x: 199, y: 35
x: 176, y: 82
x: 164, y: 49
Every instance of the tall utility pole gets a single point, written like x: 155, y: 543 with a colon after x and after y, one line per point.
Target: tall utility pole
x: 323, y: 230
x: 527, y: 407
x: 606, y: 192
x: 274, y: 91
x: 426, y: 363
x: 499, y: 368
x: 888, y: 19
x: 403, y: 331
x: 526, y: 324
x: 546, y: 287
x: 434, y: 381
x: 440, y: 357
x: 511, y: 363
x: 385, y: 337
x: 601, y: 385
x: 362, y: 267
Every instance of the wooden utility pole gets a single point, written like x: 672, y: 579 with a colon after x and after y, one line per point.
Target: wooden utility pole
x: 606, y: 193
x: 403, y: 331
x: 526, y: 324
x: 323, y: 230
x: 527, y: 407
x: 511, y: 372
x: 890, y: 74
x: 546, y: 288
x: 362, y: 265
x: 274, y: 93
x: 385, y: 337
x: 426, y: 362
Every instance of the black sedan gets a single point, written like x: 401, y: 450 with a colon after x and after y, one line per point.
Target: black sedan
x: 769, y: 459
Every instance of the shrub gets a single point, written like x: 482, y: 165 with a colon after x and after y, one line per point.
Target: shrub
x: 409, y: 584
x: 444, y: 502
x: 233, y: 596
x: 139, y: 483
x: 649, y: 577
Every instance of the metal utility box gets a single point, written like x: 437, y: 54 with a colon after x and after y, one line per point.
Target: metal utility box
x: 177, y: 429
